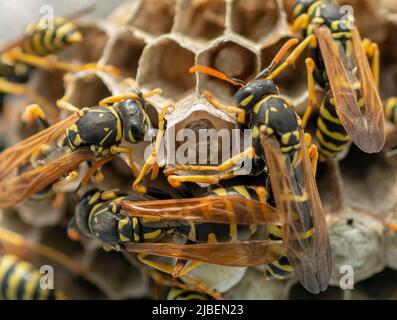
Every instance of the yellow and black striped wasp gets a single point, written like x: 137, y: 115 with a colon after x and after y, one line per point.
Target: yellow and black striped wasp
x: 20, y: 278
x: 352, y: 108
x: 95, y: 132
x: 34, y: 50
x: 279, y: 147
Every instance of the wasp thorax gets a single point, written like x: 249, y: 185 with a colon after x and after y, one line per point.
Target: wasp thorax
x: 135, y: 120
x: 252, y: 93
x: 98, y: 129
x: 302, y: 6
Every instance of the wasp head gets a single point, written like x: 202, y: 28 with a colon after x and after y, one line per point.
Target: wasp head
x: 249, y: 95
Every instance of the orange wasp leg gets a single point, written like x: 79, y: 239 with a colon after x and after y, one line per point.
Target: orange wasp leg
x: 310, y: 67
x: 227, y: 109
x: 301, y: 23
x: 228, y: 164
x: 151, y: 162
x: 197, y: 285
x: 50, y: 64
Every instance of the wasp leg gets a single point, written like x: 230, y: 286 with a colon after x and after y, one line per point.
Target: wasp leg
x: 49, y: 64
x: 22, y: 90
x: 64, y: 105
x: 91, y: 172
x: 295, y: 54
x: 182, y: 267
x: 313, y: 153
x: 310, y: 66
x: 197, y: 285
x: 372, y: 51
x: 176, y: 181
x: 71, y: 176
x: 130, y: 153
x: 225, y: 108
x: 135, y: 96
x: 228, y: 164
x: 59, y: 200
x: 262, y: 194
x: 151, y: 162
x: 301, y: 23
x: 34, y: 112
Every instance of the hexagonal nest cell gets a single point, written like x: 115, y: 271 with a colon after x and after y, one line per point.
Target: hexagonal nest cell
x: 203, y: 19
x: 165, y: 65
x: 255, y: 19
x: 154, y: 16
x: 156, y: 42
x: 230, y: 57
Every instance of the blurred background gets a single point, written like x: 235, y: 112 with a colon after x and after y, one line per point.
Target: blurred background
x: 15, y: 15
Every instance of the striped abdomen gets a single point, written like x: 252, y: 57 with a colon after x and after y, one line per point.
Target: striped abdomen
x: 19, y: 280
x: 330, y: 134
x: 391, y: 110
x: 212, y: 232
x: 45, y: 39
x: 181, y: 294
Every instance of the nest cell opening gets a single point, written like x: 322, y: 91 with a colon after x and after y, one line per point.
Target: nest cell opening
x: 255, y: 19
x: 126, y: 53
x: 91, y: 48
x: 88, y: 91
x: 166, y: 65
x: 231, y: 59
x: 293, y: 80
x: 155, y: 16
x: 204, y: 19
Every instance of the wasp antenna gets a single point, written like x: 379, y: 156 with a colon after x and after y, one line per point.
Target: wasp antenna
x: 216, y: 74
x: 283, y: 51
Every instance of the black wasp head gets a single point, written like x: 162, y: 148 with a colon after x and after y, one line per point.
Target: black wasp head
x: 302, y: 6
x: 136, y: 122
x: 83, y: 209
x: 249, y: 95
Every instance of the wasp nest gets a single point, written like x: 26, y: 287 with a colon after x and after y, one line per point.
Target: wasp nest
x: 155, y: 42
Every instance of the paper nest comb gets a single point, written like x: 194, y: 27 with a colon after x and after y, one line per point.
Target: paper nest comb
x: 156, y: 41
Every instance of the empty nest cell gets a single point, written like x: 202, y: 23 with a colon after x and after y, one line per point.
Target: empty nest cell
x: 154, y: 16
x: 255, y: 19
x: 233, y: 59
x: 91, y: 48
x: 165, y: 64
x: 126, y: 53
x: 203, y: 19
x: 88, y: 91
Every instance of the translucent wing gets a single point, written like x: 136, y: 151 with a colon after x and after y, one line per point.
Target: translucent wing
x: 234, y: 254
x: 373, y: 104
x: 17, y: 155
x: 19, y: 188
x: 295, y: 194
x: 364, y: 130
x: 220, y: 209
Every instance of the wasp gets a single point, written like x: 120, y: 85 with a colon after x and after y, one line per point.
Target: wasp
x: 19, y: 277
x: 95, y: 132
x: 34, y: 50
x: 279, y: 146
x: 351, y: 108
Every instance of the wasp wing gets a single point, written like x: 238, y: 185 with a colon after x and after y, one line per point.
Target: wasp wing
x: 218, y: 209
x: 295, y: 194
x: 17, y: 155
x: 364, y: 130
x: 374, y: 112
x: 19, y: 188
x: 233, y: 254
